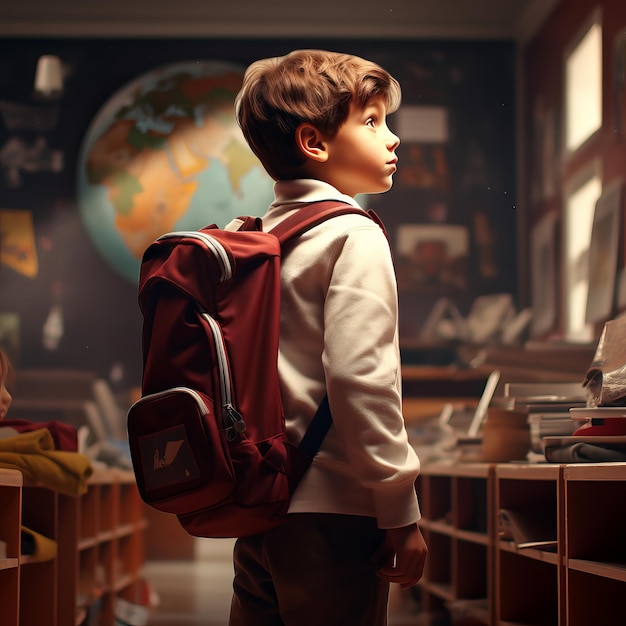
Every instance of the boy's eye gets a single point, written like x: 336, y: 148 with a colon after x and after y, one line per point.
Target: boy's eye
x: 370, y: 121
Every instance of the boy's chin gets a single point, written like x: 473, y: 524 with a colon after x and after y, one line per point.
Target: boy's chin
x: 380, y: 189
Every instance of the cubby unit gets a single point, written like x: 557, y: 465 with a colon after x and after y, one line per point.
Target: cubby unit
x: 523, y: 544
x: 456, y: 502
x: 110, y: 545
x: 529, y: 545
x: 528, y: 592
x: 10, y: 519
x: 92, y: 550
x: 596, y: 544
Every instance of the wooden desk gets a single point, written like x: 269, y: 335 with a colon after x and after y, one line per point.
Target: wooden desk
x: 418, y: 409
x: 426, y: 389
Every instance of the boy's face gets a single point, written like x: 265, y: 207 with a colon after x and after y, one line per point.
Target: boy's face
x: 361, y: 156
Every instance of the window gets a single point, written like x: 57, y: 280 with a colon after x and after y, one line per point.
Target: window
x: 583, y: 87
x: 580, y: 202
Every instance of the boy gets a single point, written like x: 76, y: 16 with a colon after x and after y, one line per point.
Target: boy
x: 317, y: 122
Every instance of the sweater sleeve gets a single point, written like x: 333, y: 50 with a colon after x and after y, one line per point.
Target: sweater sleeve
x: 363, y: 375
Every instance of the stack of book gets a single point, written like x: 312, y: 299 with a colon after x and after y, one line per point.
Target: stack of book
x: 602, y: 421
x: 599, y: 435
x: 547, y: 406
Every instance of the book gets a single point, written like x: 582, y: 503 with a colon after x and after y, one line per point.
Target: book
x: 598, y: 412
x: 546, y: 392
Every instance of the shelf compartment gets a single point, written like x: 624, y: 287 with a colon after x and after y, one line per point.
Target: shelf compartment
x: 39, y: 606
x: 528, y: 591
x: 471, y: 504
x: 532, y: 499
x: 529, y: 581
x: 9, y: 592
x: 437, y: 499
x: 10, y: 515
x: 598, y: 534
x: 439, y: 570
x: 594, y: 600
x: 130, y: 504
x: 470, y: 568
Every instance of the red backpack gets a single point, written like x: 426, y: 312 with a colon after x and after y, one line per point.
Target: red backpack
x: 207, y: 438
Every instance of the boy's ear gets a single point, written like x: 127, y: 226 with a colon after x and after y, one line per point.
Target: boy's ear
x: 311, y: 142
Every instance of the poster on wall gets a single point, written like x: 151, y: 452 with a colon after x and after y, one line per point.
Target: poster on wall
x: 25, y: 149
x: 17, y: 242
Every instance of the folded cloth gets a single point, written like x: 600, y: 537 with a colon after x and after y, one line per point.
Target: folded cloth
x: 64, y: 435
x: 605, y: 379
x: 580, y: 452
x: 37, y: 546
x: 34, y: 455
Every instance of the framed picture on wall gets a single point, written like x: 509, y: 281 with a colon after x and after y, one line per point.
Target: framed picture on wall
x: 543, y: 275
x: 603, y: 252
x: 432, y: 256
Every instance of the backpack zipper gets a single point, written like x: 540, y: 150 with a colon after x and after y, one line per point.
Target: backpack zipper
x: 204, y: 409
x: 233, y: 421
x: 212, y: 243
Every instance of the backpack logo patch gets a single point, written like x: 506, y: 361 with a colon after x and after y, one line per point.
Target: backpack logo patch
x: 167, y: 459
x: 171, y: 450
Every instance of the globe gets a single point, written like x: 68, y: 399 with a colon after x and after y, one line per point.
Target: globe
x: 165, y: 153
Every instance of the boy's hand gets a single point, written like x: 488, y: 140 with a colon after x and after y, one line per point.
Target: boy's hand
x: 402, y: 556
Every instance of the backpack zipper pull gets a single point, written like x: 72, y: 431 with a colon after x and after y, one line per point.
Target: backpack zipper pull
x: 233, y: 419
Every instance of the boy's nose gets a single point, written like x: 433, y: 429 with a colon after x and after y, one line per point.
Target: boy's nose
x: 393, y: 141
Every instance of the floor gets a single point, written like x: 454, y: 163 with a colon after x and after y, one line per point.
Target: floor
x: 193, y: 593
x: 197, y: 593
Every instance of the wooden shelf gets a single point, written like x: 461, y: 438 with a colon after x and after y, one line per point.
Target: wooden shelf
x: 455, y: 500
x: 474, y: 576
x: 10, y: 516
x: 99, y: 556
x: 595, y: 564
x: 533, y: 493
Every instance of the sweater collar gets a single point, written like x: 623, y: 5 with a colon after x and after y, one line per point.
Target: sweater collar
x: 290, y: 192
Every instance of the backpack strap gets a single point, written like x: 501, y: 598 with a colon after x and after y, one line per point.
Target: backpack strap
x: 313, y: 214
x: 302, y: 220
x: 317, y: 430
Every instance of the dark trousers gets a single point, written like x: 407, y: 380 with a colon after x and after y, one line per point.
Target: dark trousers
x: 314, y: 570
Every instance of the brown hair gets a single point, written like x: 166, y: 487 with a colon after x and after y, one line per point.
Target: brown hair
x: 6, y: 369
x: 315, y: 86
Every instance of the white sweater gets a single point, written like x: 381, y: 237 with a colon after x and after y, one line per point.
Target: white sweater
x: 339, y: 334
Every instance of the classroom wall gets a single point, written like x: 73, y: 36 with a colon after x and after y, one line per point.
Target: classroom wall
x: 466, y: 180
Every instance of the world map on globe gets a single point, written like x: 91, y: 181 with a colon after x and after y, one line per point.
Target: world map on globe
x: 165, y: 153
